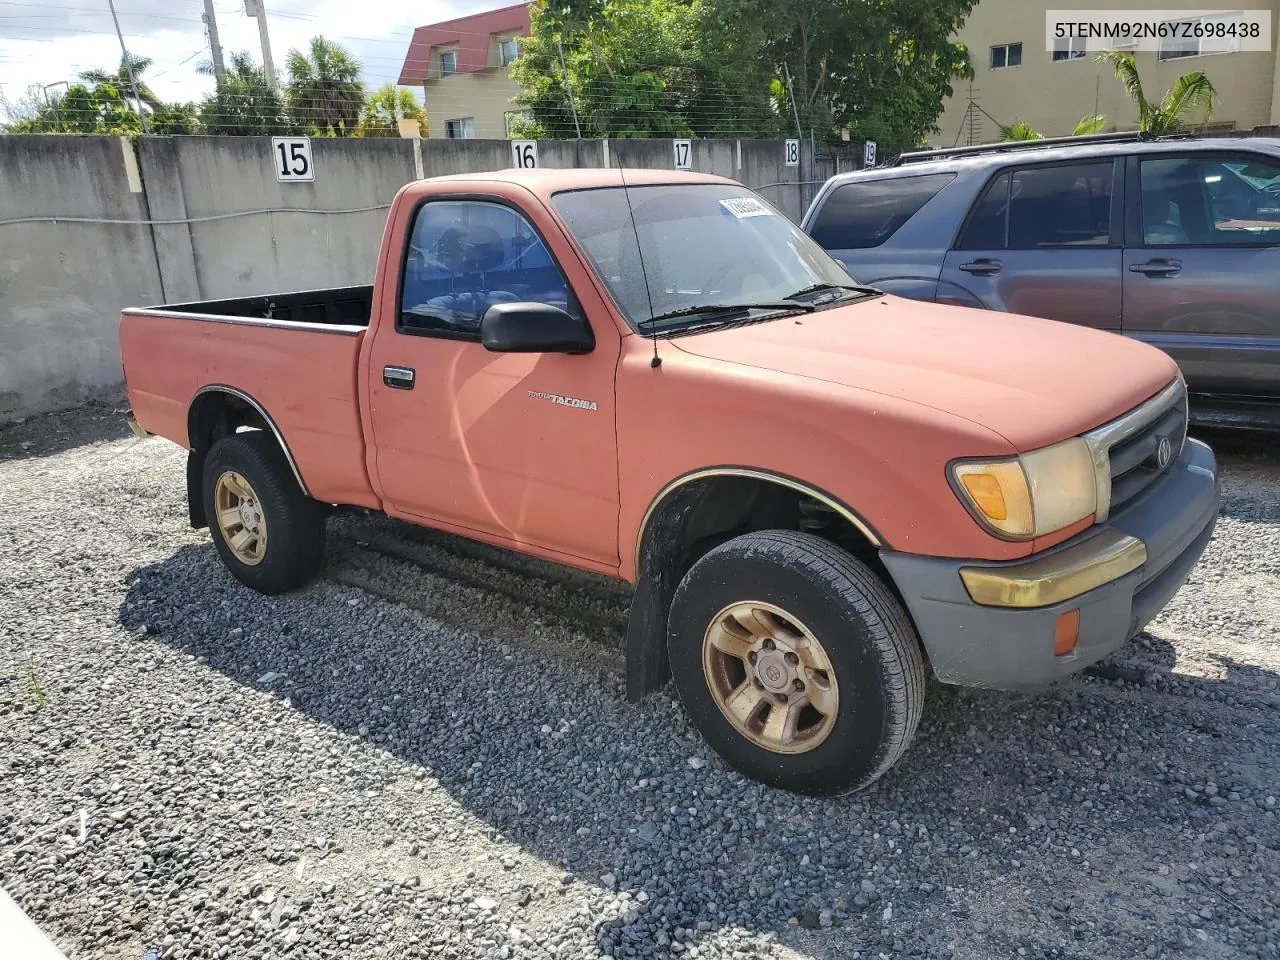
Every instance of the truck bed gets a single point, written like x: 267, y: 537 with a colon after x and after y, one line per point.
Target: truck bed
x: 348, y: 306
x: 294, y: 356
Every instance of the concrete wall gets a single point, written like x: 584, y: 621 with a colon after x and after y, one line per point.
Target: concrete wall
x: 200, y: 178
x: 62, y: 283
x: 192, y: 218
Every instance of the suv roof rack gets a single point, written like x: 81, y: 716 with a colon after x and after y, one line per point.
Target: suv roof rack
x: 918, y: 156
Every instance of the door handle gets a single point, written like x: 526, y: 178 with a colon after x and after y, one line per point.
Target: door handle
x: 982, y: 267
x: 1157, y: 268
x: 401, y: 378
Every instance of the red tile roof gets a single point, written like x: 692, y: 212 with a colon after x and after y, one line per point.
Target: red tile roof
x: 472, y: 35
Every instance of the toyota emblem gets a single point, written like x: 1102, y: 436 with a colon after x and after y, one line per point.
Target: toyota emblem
x: 1164, y: 452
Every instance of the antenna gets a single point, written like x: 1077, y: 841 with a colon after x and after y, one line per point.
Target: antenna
x: 657, y: 360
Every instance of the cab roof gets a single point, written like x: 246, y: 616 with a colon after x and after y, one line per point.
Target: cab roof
x: 545, y: 181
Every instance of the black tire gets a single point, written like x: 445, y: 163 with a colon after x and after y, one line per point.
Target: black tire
x: 867, y: 637
x: 294, y: 549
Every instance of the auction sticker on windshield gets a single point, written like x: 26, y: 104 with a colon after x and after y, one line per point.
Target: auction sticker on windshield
x: 743, y: 207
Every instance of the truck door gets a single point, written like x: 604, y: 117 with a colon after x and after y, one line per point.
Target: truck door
x: 1043, y: 240
x: 1202, y: 266
x: 517, y: 446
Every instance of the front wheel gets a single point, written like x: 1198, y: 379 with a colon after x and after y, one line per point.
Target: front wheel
x: 268, y: 532
x: 796, y: 662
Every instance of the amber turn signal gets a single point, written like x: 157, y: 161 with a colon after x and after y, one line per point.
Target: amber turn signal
x: 984, y: 490
x: 1066, y: 631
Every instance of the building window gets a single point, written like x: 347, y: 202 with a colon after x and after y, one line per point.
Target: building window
x: 508, y: 50
x: 1184, y: 44
x: 464, y: 128
x: 517, y: 118
x: 1069, y: 48
x: 448, y: 63
x: 1006, y: 55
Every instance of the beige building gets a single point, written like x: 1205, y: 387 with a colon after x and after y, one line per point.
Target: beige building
x: 461, y: 66
x: 1017, y: 78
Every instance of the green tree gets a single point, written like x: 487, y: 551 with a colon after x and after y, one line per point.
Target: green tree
x: 244, y: 104
x: 100, y: 109
x: 1021, y: 130
x: 385, y: 107
x: 879, y: 68
x: 325, y: 92
x: 119, y: 78
x: 171, y: 119
x: 637, y: 68
x: 1191, y: 99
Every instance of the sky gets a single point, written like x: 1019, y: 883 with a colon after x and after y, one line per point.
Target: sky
x: 47, y: 41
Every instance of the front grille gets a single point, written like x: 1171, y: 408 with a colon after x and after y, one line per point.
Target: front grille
x: 1131, y: 446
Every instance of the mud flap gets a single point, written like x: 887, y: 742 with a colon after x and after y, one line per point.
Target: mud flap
x: 661, y: 566
x: 195, y: 491
x: 647, y: 666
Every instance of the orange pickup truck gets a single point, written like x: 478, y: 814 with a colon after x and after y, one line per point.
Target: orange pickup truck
x: 819, y: 491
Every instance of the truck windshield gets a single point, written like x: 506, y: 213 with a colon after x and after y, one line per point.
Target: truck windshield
x: 703, y: 245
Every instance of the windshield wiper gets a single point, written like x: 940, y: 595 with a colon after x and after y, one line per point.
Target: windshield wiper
x: 729, y: 308
x: 819, y: 287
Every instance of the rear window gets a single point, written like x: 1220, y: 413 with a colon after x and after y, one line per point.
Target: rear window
x: 867, y: 213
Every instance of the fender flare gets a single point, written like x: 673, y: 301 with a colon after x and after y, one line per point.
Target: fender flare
x: 752, y: 473
x: 261, y: 411
x: 647, y: 666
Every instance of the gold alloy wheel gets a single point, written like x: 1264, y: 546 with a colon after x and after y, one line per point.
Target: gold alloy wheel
x: 770, y: 677
x: 240, y: 518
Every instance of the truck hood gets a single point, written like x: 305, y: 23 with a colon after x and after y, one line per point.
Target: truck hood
x: 1032, y: 381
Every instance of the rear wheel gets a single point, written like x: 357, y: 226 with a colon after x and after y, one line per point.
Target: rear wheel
x: 796, y: 662
x: 268, y: 532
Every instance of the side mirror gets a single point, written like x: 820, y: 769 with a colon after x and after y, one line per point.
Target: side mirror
x: 534, y: 328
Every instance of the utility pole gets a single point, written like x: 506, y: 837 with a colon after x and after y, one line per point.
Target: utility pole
x: 215, y: 47
x: 258, y: 9
x: 124, y: 55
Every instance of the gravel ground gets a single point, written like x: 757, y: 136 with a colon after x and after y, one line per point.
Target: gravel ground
x: 428, y: 754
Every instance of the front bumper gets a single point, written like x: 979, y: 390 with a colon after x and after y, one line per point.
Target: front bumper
x: 1118, y: 574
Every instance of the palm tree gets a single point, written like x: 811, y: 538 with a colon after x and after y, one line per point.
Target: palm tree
x: 244, y: 104
x: 1021, y: 130
x: 386, y: 107
x: 119, y: 78
x: 1191, y: 94
x: 324, y: 89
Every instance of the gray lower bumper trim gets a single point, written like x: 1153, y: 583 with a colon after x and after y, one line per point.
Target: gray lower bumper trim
x: 1005, y: 647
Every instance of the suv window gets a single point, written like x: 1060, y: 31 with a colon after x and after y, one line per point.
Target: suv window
x: 1046, y: 206
x: 1208, y: 201
x: 465, y: 256
x: 867, y: 213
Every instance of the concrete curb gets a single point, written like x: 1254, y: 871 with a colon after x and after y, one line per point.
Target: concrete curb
x: 20, y: 939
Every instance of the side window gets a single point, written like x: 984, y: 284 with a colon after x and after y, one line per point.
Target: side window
x: 465, y: 256
x: 986, y: 227
x: 1060, y: 206
x: 1207, y: 201
x: 866, y: 213
x: 1043, y: 207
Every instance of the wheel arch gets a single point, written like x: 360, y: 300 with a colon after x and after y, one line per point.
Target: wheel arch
x: 767, y: 477
x: 702, y: 508
x: 217, y: 410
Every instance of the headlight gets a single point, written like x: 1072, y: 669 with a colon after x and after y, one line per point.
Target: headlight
x: 1031, y: 495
